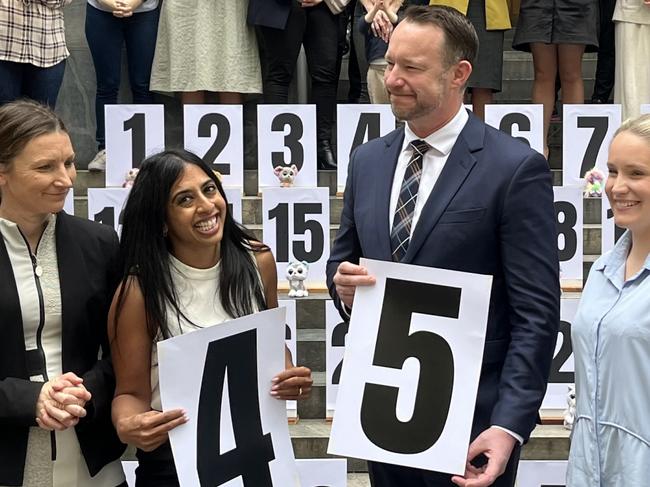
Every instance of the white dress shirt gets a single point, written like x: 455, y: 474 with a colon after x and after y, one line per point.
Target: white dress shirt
x: 441, y: 142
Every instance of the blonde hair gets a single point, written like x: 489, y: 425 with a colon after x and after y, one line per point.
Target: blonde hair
x: 639, y: 126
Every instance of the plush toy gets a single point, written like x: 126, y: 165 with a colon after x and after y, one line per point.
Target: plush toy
x: 297, y: 274
x: 286, y: 174
x: 594, y: 183
x: 570, y: 412
x: 130, y: 178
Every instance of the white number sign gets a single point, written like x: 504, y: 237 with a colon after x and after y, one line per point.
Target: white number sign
x: 523, y: 122
x: 216, y: 134
x: 105, y: 206
x: 296, y: 227
x: 133, y: 132
x: 356, y: 125
x: 286, y: 137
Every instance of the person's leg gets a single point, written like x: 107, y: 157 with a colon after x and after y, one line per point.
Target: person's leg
x: 376, y: 86
x: 43, y: 84
x: 321, y: 51
x: 104, y: 33
x: 11, y: 79
x: 281, y: 49
x: 570, y: 69
x: 359, y: 41
x: 604, y: 82
x: 480, y: 98
x: 140, y: 35
x: 545, y: 66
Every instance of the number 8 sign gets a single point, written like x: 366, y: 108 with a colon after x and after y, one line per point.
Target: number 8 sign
x: 296, y: 227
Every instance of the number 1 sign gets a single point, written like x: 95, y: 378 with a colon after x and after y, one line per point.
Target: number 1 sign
x: 411, y: 369
x: 133, y: 132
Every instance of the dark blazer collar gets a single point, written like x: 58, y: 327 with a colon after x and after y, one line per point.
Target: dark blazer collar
x: 385, y: 173
x: 460, y: 162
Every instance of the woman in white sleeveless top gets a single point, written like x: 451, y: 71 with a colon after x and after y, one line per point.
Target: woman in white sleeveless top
x: 187, y: 265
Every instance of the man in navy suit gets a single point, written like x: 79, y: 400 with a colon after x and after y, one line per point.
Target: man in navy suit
x: 447, y: 191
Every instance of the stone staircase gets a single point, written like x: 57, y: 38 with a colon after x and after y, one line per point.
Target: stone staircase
x: 310, y: 435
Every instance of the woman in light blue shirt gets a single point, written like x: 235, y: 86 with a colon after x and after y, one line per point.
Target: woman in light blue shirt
x: 610, y: 444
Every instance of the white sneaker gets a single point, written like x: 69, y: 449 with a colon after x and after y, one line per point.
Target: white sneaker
x: 98, y: 164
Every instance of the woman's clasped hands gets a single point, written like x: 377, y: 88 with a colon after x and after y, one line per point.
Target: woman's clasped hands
x: 61, y: 402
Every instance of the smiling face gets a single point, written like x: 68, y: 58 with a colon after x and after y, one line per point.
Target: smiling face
x: 423, y: 89
x: 196, y: 213
x: 628, y: 183
x: 36, y: 182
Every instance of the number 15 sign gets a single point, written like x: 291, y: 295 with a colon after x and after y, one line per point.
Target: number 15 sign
x: 411, y: 368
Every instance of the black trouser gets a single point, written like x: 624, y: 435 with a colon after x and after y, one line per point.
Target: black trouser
x: 317, y: 29
x: 606, y: 53
x: 156, y: 468
x: 385, y: 475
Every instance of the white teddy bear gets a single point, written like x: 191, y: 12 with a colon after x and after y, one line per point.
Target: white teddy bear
x: 570, y: 412
x: 296, y: 275
x: 286, y: 174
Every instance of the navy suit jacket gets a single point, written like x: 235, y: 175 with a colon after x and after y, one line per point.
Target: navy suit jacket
x: 490, y: 212
x: 269, y: 13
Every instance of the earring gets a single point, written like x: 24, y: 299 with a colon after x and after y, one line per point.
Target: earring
x: 165, y: 230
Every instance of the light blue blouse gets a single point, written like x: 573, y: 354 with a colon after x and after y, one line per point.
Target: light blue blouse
x: 610, y: 444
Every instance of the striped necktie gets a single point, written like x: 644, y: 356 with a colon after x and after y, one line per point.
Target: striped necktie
x: 400, y: 234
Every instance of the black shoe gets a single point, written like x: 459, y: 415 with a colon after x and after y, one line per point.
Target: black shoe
x: 326, y: 160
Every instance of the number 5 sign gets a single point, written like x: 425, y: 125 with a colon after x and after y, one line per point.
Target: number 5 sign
x: 133, y: 132
x: 295, y: 224
x: 411, y: 369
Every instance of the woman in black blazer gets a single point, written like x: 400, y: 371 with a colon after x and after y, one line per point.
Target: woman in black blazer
x: 56, y: 381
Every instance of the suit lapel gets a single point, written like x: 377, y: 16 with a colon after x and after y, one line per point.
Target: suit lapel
x: 385, y: 169
x: 460, y: 162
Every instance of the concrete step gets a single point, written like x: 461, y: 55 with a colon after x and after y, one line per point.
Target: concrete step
x: 310, y: 439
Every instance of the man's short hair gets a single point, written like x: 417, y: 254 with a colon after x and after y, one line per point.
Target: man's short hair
x: 461, y: 41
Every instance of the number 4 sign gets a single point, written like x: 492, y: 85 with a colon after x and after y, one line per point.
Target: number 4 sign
x: 411, y: 369
x: 221, y: 376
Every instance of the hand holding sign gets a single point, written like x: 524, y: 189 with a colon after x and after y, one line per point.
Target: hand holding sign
x: 348, y: 276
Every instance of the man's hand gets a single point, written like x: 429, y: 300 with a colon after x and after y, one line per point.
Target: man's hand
x: 497, y: 446
x: 348, y: 276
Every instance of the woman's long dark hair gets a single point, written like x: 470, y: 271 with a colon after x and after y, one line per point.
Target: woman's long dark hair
x: 145, y: 249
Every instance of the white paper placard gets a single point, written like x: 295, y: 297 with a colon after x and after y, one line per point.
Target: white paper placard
x: 234, y: 197
x: 68, y: 205
x: 291, y: 340
x: 523, y: 122
x: 286, y: 135
x: 221, y: 376
x: 562, y: 367
x: 295, y: 224
x: 645, y: 108
x: 568, y: 222
x: 323, y: 472
x: 216, y: 134
x: 355, y: 125
x: 133, y: 132
x: 412, y: 363
x: 336, y: 331
x: 587, y: 131
x: 610, y: 232
x: 538, y: 473
x: 105, y: 206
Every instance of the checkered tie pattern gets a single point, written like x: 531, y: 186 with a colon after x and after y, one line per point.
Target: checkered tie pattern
x: 400, y: 234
